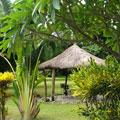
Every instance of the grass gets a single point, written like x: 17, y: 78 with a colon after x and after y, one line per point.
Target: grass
x: 40, y: 88
x: 58, y: 89
x: 49, y: 111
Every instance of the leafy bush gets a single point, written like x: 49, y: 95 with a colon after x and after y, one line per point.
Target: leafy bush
x: 5, y: 79
x: 99, y: 87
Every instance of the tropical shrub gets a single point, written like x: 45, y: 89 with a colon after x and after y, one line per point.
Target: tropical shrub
x: 98, y: 87
x: 26, y: 83
x: 5, y: 79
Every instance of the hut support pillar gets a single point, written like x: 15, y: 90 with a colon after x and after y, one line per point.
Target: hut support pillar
x: 45, y: 84
x: 66, y: 87
x: 53, y: 84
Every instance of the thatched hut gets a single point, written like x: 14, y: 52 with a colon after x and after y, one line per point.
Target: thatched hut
x: 69, y: 59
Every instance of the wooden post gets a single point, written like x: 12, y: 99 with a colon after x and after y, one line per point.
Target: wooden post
x: 45, y: 84
x: 53, y: 84
x: 66, y: 81
x: 66, y: 92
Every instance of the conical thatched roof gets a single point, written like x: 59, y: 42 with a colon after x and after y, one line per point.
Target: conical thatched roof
x: 70, y: 58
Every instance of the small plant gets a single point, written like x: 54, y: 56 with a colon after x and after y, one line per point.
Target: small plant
x: 99, y: 88
x: 5, y: 79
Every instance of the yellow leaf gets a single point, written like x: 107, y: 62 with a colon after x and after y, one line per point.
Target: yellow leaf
x: 76, y: 93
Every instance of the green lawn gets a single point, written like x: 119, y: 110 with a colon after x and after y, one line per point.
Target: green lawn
x: 58, y: 89
x: 49, y: 111
x: 40, y: 89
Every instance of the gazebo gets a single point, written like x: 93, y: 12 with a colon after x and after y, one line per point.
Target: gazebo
x: 69, y: 59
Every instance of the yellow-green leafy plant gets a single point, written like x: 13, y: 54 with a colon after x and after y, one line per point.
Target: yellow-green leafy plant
x: 98, y: 87
x: 5, y: 79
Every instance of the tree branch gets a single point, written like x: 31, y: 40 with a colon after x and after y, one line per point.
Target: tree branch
x: 88, y: 37
x: 55, y: 37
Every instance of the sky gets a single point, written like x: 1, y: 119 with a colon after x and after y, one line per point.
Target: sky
x: 12, y: 1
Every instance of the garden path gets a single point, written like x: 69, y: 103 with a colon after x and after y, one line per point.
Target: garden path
x: 63, y: 99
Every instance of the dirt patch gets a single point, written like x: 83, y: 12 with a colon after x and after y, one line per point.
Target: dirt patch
x: 62, y: 99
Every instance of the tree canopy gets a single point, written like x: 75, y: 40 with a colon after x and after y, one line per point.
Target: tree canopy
x: 95, y: 21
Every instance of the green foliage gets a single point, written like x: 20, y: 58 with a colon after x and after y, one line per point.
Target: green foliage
x: 95, y: 50
x: 5, y: 5
x: 84, y: 21
x: 51, y: 20
x: 98, y: 86
x: 16, y: 26
x: 31, y: 20
x: 5, y: 79
x: 26, y: 82
x: 52, y: 49
x: 39, y: 5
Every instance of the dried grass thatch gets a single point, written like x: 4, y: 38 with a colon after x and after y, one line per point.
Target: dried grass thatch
x: 70, y: 58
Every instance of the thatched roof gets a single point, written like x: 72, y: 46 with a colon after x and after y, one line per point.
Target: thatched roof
x: 70, y: 58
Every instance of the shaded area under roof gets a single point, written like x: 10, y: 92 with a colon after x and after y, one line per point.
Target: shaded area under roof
x: 70, y: 58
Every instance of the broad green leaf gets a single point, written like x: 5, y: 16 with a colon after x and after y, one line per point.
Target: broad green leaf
x: 38, y: 44
x: 27, y: 50
x: 16, y: 90
x: 5, y: 17
x: 56, y: 4
x: 36, y: 8
x: 50, y: 27
x: 1, y: 35
x: 106, y: 33
x: 42, y: 19
x: 115, y: 47
x: 18, y: 51
x: 38, y: 106
x: 53, y: 14
x: 109, y: 41
x: 14, y: 37
x: 4, y: 45
x: 34, y: 18
x: 16, y: 102
x: 26, y: 22
x: 9, y: 51
x: 5, y: 28
x: 11, y: 32
x: 22, y: 36
x: 40, y: 5
x: 17, y: 2
x: 35, y: 45
x: 88, y: 2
